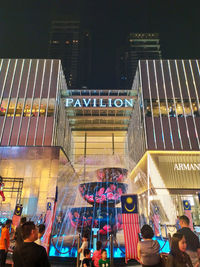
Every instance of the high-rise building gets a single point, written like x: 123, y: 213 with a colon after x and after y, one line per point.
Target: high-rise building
x: 139, y: 46
x: 72, y: 45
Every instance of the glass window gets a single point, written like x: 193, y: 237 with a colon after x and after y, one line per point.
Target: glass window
x: 35, y: 108
x: 3, y: 107
x: 195, y: 108
x: 27, y: 108
x: 20, y: 103
x: 179, y: 108
x: 163, y: 108
x: 43, y: 107
x: 51, y: 107
x: 187, y: 108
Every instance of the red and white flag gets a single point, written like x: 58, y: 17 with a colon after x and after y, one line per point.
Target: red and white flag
x: 156, y: 223
x: 17, y: 215
x: 188, y: 213
x: 131, y: 227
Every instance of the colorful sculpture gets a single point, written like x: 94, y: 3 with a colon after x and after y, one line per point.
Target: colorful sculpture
x: 103, y: 196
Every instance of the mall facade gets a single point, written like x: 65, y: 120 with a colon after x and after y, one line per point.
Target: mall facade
x: 152, y: 130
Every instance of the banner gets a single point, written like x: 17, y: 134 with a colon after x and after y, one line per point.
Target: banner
x: 17, y: 215
x: 156, y: 221
x: 50, y: 216
x: 131, y: 227
x: 187, y: 212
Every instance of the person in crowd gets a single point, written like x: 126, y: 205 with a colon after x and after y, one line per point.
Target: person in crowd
x: 104, y: 262
x: 193, y: 245
x: 97, y: 254
x: 178, y: 256
x: 4, y: 242
x: 30, y: 254
x: 41, y: 231
x: 18, y: 233
x: 83, y: 246
x: 148, y: 249
x: 87, y: 262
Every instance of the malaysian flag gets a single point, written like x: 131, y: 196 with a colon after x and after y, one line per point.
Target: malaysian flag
x: 187, y: 211
x: 17, y: 215
x: 156, y: 221
x: 130, y: 220
x: 50, y: 217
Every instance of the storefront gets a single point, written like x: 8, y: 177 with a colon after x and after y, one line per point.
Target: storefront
x: 163, y: 180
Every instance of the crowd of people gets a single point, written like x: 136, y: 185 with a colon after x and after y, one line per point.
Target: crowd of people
x: 99, y: 258
x: 28, y: 251
x: 184, y: 252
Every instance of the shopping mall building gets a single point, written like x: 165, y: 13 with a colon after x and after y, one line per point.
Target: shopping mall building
x: 50, y: 135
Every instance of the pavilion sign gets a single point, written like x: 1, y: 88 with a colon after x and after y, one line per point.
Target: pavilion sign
x: 187, y: 166
x: 101, y: 102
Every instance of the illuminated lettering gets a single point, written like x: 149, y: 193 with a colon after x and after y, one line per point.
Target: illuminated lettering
x: 86, y: 103
x: 110, y: 103
x: 187, y: 166
x: 77, y: 103
x: 102, y: 102
x: 69, y: 101
x: 118, y: 105
x: 94, y: 103
x: 129, y: 103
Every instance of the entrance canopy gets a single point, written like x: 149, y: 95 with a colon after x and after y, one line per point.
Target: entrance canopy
x: 99, y: 109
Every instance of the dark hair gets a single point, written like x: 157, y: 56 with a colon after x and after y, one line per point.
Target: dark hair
x: 99, y: 244
x: 23, y: 220
x: 8, y: 221
x: 85, y: 236
x: 175, y: 251
x: 1, y: 179
x: 185, y: 219
x: 27, y: 227
x: 103, y: 250
x: 41, y: 228
x: 147, y: 231
x: 86, y: 252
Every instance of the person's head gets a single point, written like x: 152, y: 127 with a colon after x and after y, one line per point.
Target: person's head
x: 184, y: 221
x: 29, y: 231
x: 86, y: 253
x: 22, y: 220
x: 85, y: 237
x: 1, y: 179
x: 104, y: 254
x: 147, y: 232
x: 41, y: 230
x: 178, y: 245
x: 99, y: 244
x: 8, y: 223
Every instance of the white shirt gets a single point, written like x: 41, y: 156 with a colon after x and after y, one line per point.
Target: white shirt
x: 83, y: 246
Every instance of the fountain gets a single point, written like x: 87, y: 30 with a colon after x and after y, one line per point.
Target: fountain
x: 100, y: 209
x: 103, y: 196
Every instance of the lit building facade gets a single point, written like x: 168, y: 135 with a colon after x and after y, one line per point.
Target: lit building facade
x: 34, y: 131
x: 164, y: 136
x: 50, y: 136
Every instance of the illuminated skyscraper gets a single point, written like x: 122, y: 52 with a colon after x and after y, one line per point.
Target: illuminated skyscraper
x: 139, y: 46
x: 72, y: 45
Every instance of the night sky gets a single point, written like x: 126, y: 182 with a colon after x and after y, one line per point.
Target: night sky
x: 24, y: 28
